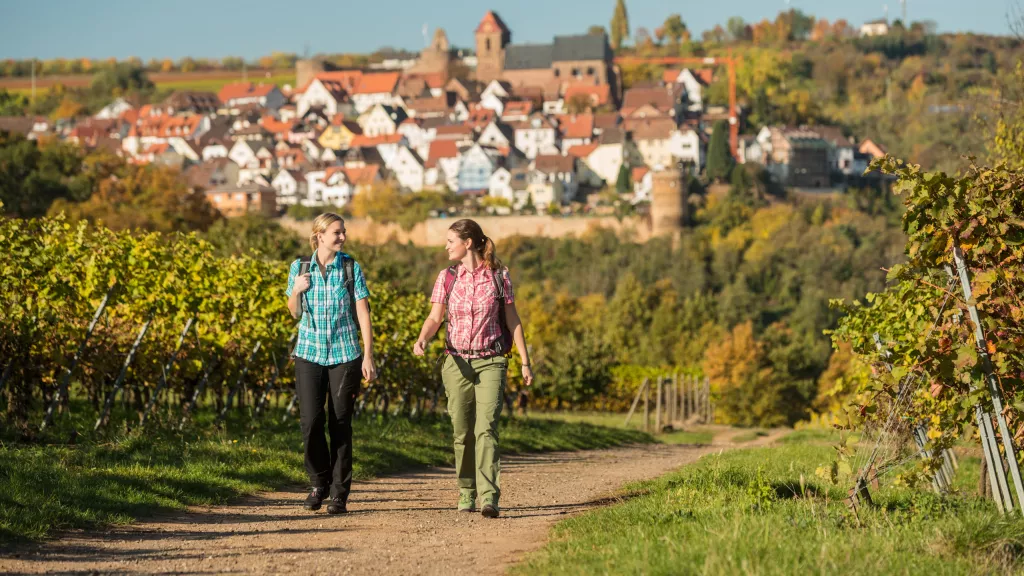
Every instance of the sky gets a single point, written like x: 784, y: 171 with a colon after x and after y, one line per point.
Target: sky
x: 49, y: 29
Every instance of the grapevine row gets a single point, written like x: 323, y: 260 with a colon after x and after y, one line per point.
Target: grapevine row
x: 153, y: 327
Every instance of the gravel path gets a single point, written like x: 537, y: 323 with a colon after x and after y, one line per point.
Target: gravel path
x: 403, y: 524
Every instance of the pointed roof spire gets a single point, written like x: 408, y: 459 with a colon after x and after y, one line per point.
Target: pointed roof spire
x: 491, y: 22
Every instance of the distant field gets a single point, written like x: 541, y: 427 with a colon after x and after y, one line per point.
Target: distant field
x: 212, y: 81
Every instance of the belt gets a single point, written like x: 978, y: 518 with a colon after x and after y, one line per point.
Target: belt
x: 468, y: 352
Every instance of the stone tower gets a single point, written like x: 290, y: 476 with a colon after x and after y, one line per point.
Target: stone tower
x: 492, y: 36
x: 669, y: 203
x: 436, y: 58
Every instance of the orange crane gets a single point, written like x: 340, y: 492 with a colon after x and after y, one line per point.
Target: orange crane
x: 729, y: 61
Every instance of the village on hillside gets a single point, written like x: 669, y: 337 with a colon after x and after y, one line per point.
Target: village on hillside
x: 535, y: 126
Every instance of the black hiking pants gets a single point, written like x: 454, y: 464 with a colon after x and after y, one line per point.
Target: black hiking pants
x: 338, y: 385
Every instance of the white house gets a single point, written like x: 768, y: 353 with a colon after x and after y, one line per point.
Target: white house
x: 328, y: 186
x: 246, y: 94
x: 875, y: 28
x: 511, y: 185
x: 500, y: 90
x: 497, y: 135
x: 418, y: 137
x: 686, y: 146
x: 381, y: 120
x: 613, y: 149
x: 215, y: 149
x: 692, y: 88
x: 408, y: 169
x: 375, y: 88
x: 442, y: 165
x: 643, y: 184
x: 329, y: 94
x: 254, y: 158
x: 291, y: 187
x: 114, y: 110
x: 553, y: 180
x: 537, y: 136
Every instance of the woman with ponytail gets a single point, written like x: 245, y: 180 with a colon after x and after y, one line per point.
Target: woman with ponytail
x: 328, y: 294
x: 475, y: 297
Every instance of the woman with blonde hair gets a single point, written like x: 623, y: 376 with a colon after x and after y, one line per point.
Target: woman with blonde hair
x: 327, y: 292
x: 475, y: 297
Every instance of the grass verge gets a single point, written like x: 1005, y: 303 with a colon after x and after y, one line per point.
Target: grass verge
x: 763, y: 511
x: 44, y: 488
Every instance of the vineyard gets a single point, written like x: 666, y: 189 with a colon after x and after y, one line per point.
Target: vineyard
x: 153, y: 329
x: 941, y: 351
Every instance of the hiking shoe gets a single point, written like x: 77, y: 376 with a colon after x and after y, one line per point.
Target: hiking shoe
x: 489, y: 511
x: 337, y: 506
x: 315, y: 498
x: 467, y: 503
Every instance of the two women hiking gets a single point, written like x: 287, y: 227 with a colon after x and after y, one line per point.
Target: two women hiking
x: 474, y: 296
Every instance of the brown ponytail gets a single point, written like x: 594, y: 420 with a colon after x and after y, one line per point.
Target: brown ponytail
x: 467, y: 229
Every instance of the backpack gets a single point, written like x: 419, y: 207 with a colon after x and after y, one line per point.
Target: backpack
x: 349, y: 265
x: 503, y: 344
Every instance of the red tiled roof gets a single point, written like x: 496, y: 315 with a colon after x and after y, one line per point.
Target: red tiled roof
x: 453, y: 130
x: 441, y: 149
x: 597, y: 95
x: 554, y: 163
x: 582, y: 151
x: 377, y: 83
x: 243, y: 90
x: 518, y: 107
x: 360, y: 141
x: 639, y: 172
x: 576, y: 126
x: 362, y: 175
x: 275, y: 126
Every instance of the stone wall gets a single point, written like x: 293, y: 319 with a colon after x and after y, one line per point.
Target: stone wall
x: 433, y: 232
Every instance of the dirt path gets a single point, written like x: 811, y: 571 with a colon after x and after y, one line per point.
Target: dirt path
x: 404, y: 524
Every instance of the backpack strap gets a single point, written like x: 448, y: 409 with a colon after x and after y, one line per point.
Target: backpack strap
x: 450, y: 276
x: 349, y: 265
x: 304, y: 266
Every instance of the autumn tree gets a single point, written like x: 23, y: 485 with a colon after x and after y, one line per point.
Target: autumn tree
x: 619, y: 27
x: 597, y: 30
x: 675, y: 29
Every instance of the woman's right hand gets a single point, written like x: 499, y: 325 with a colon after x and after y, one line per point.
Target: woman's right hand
x: 301, y: 283
x: 419, y: 348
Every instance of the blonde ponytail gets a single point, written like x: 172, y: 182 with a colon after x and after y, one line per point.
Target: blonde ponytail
x: 320, y: 225
x: 490, y: 254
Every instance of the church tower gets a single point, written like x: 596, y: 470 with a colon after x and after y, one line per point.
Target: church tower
x: 492, y: 36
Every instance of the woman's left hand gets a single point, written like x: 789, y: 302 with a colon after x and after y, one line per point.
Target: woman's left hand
x: 527, y: 375
x: 369, y: 370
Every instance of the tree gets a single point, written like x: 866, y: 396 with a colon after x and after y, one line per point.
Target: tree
x: 619, y: 28
x: 597, y: 30
x: 624, y: 184
x: 720, y: 160
x: 675, y: 29
x: 12, y: 104
x: 738, y: 29
x: 69, y: 108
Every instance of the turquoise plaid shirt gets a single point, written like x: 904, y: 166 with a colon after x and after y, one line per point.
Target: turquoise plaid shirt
x: 328, y: 330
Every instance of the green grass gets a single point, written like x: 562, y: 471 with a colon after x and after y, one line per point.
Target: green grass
x: 44, y: 488
x: 697, y: 436
x: 763, y: 511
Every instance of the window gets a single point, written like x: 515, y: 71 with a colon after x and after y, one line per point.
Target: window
x: 487, y: 43
x: 590, y: 70
x: 557, y: 72
x: 576, y: 72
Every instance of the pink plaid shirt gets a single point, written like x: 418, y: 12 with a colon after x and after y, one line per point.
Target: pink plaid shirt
x: 473, y: 307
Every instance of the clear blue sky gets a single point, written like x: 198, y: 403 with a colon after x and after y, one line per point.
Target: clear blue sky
x: 251, y: 28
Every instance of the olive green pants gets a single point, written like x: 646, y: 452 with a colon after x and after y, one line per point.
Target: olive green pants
x: 475, y: 388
